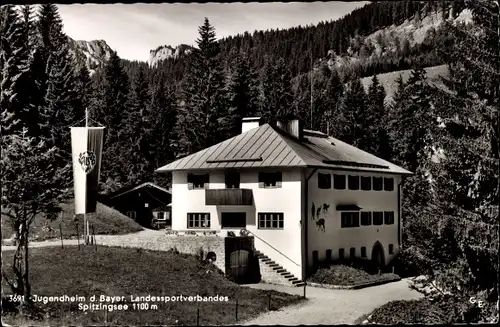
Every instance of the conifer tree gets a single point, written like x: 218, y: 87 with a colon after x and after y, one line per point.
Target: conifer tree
x: 334, y: 95
x: 163, y: 106
x: 414, y: 122
x: 462, y: 252
x: 204, y: 96
x: 276, y: 92
x: 59, y: 83
x: 355, y: 115
x: 83, y: 89
x: 242, y: 94
x: 378, y: 135
x: 13, y: 66
x: 111, y: 113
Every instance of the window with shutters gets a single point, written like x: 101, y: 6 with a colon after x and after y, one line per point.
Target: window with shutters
x: 270, y: 180
x: 198, y: 181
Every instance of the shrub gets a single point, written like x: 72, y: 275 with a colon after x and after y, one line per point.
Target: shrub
x: 173, y: 250
x: 346, y: 275
x: 200, y: 255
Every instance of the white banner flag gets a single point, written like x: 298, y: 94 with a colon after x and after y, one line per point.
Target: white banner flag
x: 86, y: 144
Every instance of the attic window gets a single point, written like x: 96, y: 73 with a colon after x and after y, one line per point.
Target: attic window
x: 198, y: 181
x: 270, y: 180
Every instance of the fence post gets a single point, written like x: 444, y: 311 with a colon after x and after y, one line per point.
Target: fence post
x: 198, y: 317
x: 305, y: 284
x: 78, y: 236
x: 236, y: 309
x: 60, y: 233
x: 93, y: 236
x: 269, y: 301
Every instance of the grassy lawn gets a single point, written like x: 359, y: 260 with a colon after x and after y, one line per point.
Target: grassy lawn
x: 347, y: 276
x: 106, y: 221
x: 129, y: 272
x: 442, y: 310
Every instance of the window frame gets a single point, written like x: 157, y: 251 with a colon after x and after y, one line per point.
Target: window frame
x: 361, y: 184
x: 199, y: 220
x: 350, y: 186
x: 363, y: 252
x: 352, y: 223
x: 381, y: 218
x: 361, y: 218
x: 391, y: 215
x: 377, y: 179
x: 341, y: 253
x: 224, y: 215
x: 232, y: 178
x: 391, y: 249
x: 324, y: 181
x: 132, y: 213
x: 386, y: 181
x: 336, y: 178
x: 270, y: 179
x: 271, y: 218
x: 198, y: 181
x: 352, y: 253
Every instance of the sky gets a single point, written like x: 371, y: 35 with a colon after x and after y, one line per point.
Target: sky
x: 134, y: 29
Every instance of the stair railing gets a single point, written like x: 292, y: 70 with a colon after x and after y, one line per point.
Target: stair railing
x: 249, y: 232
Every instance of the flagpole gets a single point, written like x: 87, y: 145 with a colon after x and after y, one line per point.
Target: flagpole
x: 85, y: 222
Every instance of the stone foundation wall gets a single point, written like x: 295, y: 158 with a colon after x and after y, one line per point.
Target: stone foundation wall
x: 190, y: 244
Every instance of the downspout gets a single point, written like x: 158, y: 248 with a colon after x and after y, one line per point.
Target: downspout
x: 399, y: 213
x: 306, y: 221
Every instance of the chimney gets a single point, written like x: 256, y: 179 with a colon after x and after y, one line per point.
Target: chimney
x: 292, y: 127
x: 249, y: 123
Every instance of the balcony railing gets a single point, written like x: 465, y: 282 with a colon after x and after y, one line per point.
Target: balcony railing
x: 229, y: 197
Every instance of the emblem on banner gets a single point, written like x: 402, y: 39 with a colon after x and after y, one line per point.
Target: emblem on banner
x: 87, y: 160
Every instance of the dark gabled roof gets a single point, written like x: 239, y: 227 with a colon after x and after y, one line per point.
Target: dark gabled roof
x: 134, y: 188
x: 268, y: 146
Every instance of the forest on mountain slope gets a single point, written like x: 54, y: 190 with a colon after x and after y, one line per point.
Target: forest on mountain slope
x: 151, y: 117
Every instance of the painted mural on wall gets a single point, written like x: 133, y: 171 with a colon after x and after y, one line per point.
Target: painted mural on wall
x: 317, y: 213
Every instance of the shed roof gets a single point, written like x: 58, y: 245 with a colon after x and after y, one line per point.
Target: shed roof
x: 268, y: 146
x: 134, y: 188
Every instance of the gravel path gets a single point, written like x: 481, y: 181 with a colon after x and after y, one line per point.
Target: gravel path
x: 332, y: 307
x: 148, y: 236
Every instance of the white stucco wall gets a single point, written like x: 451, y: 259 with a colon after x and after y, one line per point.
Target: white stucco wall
x: 334, y: 237
x: 287, y: 199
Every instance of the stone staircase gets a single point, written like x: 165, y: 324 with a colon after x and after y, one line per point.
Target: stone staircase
x: 273, y: 273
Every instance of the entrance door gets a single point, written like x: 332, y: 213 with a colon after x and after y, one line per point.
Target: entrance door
x: 239, y: 265
x: 378, y: 257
